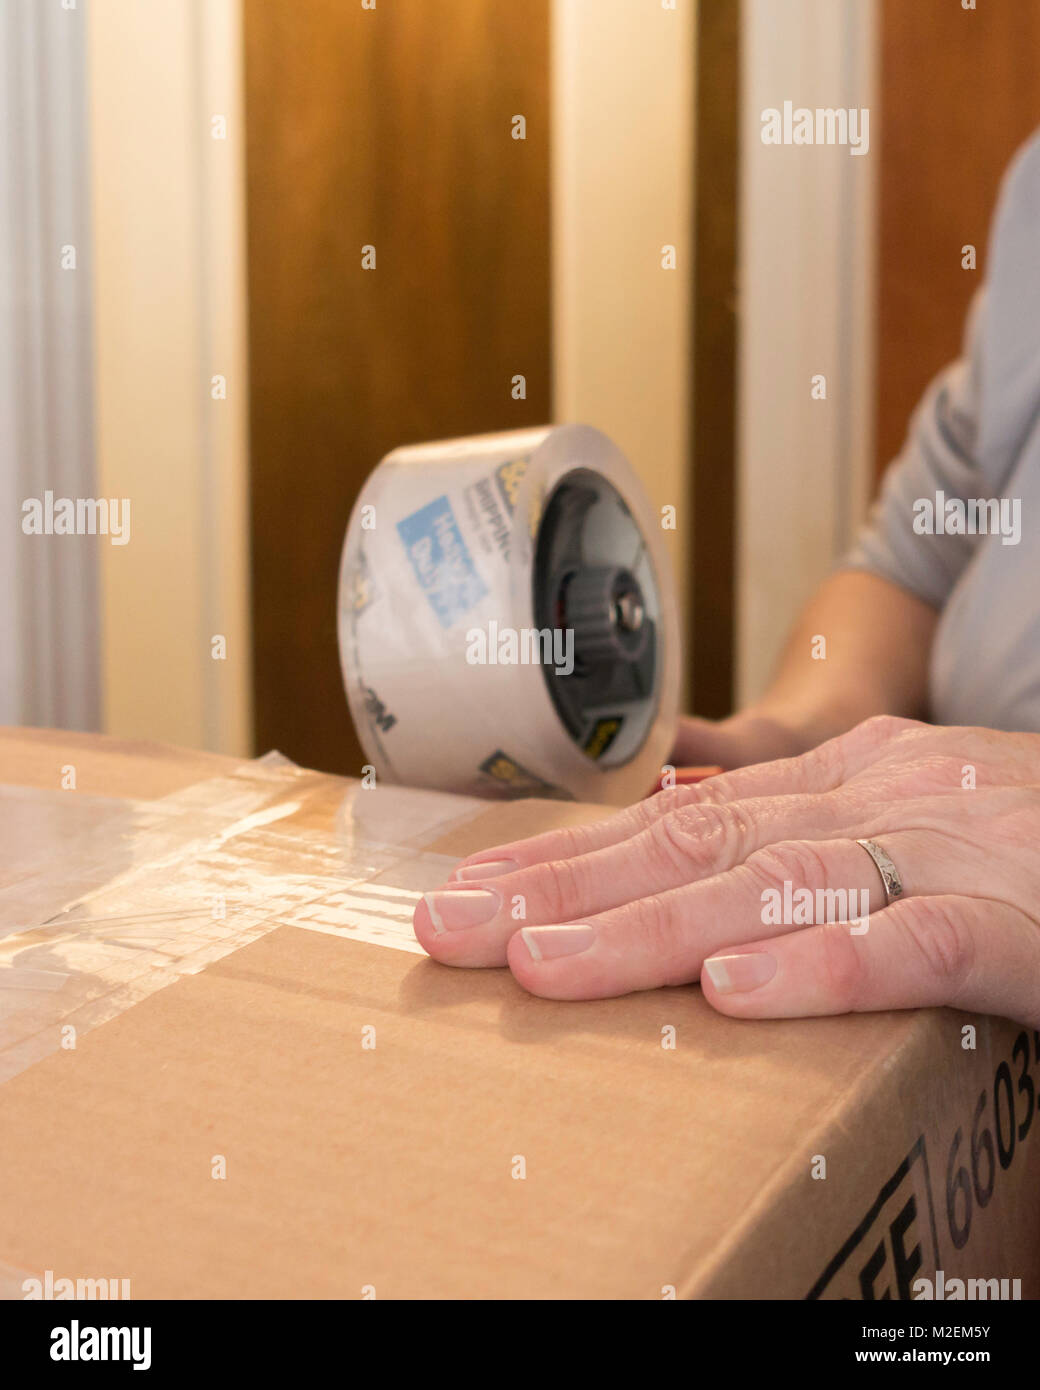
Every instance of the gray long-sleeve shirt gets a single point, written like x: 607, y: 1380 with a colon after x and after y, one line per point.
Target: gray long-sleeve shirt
x: 958, y: 519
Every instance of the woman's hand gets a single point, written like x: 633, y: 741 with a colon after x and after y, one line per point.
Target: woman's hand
x: 686, y: 886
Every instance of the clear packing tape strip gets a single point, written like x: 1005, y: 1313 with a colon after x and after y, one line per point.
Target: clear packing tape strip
x: 104, y: 902
x: 507, y: 619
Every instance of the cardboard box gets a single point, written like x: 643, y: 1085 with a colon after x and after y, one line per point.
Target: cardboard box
x: 270, y: 1103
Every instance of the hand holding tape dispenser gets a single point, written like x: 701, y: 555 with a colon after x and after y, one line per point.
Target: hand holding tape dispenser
x: 507, y: 619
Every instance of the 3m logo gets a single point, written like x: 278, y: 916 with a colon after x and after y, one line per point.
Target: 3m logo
x: 378, y: 712
x: 894, y: 1241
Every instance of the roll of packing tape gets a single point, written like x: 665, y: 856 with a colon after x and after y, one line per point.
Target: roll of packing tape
x: 507, y: 619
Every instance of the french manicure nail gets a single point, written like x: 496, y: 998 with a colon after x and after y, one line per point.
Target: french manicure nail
x: 454, y: 909
x: 491, y: 868
x: 739, y: 974
x: 547, y: 943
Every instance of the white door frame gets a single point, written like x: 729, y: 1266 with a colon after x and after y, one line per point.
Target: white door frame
x: 807, y: 306
x: 623, y: 102
x: 49, y: 604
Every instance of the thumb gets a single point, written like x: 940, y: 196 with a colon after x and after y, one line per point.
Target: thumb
x: 971, y: 953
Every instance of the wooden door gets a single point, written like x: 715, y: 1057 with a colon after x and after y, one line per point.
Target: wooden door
x: 960, y: 91
x: 389, y: 127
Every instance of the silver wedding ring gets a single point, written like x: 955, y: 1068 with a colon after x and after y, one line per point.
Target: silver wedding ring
x: 888, y: 871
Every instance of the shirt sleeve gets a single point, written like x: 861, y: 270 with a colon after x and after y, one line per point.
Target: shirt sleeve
x: 939, y: 456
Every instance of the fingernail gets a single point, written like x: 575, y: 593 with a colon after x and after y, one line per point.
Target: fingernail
x: 491, y: 868
x: 547, y: 943
x: 454, y: 909
x: 739, y: 974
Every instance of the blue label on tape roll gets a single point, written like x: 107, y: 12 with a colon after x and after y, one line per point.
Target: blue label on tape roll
x: 441, y: 561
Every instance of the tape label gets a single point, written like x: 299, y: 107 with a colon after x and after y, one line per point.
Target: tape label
x: 510, y: 475
x: 441, y: 560
x: 604, y: 732
x: 489, y: 513
x: 362, y: 591
x: 507, y: 771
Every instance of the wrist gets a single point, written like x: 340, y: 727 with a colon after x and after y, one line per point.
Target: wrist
x: 795, y: 727
x: 759, y: 734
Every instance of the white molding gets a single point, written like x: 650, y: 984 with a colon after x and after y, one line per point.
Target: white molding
x: 622, y: 164
x: 807, y: 297
x: 49, y: 602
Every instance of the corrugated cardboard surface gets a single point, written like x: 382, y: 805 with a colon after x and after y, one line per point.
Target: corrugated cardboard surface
x: 394, y: 1167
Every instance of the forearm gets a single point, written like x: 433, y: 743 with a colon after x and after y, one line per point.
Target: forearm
x: 877, y: 642
x: 861, y: 647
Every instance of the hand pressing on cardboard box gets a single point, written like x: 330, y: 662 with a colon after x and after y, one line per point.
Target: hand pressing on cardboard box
x: 738, y: 881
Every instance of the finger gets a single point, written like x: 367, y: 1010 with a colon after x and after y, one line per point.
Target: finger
x: 972, y: 953
x: 664, y: 939
x: 470, y: 923
x: 568, y: 841
x: 698, y: 843
x: 816, y: 771
x: 819, y: 770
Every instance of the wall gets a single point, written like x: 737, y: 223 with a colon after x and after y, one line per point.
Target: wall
x: 49, y: 600
x: 960, y: 91
x: 169, y: 316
